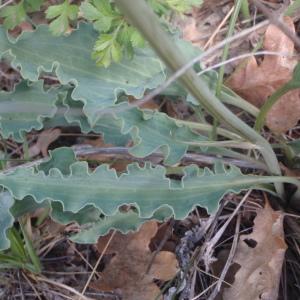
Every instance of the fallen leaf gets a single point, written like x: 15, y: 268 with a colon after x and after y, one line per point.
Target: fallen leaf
x: 126, y: 271
x: 45, y: 138
x: 256, y: 82
x: 260, y: 256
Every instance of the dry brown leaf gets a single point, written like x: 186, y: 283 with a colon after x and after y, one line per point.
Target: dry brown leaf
x: 45, y: 138
x: 260, y: 256
x: 126, y: 271
x: 256, y: 82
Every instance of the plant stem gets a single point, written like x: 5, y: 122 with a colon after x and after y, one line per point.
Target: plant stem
x: 207, y: 128
x: 142, y: 17
x: 245, y: 10
x: 230, y: 32
x: 260, y: 120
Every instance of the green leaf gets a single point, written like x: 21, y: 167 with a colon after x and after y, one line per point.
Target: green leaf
x: 62, y: 13
x: 183, y: 6
x: 292, y: 8
x: 61, y: 158
x: 151, y: 131
x: 146, y: 188
x: 106, y: 50
x: 13, y: 15
x: 102, y: 22
x: 98, y: 88
x: 86, y: 215
x: 136, y: 39
x: 121, y: 221
x: 6, y: 218
x: 25, y: 206
x: 24, y: 109
x: 33, y: 5
x: 293, y: 84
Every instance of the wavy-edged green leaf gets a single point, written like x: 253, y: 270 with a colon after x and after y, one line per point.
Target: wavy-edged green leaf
x: 89, y: 218
x: 151, y: 131
x: 96, y: 87
x: 60, y: 158
x: 146, y: 188
x: 121, y: 221
x: 23, y: 109
x: 88, y: 214
x: 6, y: 218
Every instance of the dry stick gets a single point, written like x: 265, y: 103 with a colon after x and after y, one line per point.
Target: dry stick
x: 160, y: 246
x: 245, y: 55
x: 228, y: 261
x: 61, y: 285
x: 218, y: 28
x: 32, y: 286
x: 97, y: 264
x: 277, y: 21
x: 6, y: 3
x: 83, y: 258
x: 83, y: 150
x: 210, y: 245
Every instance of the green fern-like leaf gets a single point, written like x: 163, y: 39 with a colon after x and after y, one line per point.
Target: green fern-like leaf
x: 13, y: 15
x: 62, y: 14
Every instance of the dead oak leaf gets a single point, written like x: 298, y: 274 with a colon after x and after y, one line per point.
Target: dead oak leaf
x: 126, y: 271
x: 256, y: 82
x: 43, y: 142
x: 260, y: 256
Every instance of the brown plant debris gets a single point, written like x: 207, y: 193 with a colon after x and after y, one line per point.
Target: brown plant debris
x: 126, y: 271
x: 256, y: 82
x: 260, y: 256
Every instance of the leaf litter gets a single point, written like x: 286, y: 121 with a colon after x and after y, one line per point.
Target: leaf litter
x: 256, y: 82
x: 128, y: 269
x: 260, y: 256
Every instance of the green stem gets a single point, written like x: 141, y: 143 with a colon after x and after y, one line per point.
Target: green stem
x: 230, y: 32
x: 221, y: 72
x: 229, y: 97
x: 142, y: 17
x: 260, y: 120
x: 245, y: 10
x: 207, y: 128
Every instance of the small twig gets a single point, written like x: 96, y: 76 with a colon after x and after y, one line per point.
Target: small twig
x: 20, y: 285
x: 32, y: 286
x: 83, y: 258
x: 245, y: 55
x: 60, y: 285
x: 277, y: 21
x: 160, y: 246
x: 6, y: 3
x: 188, y: 158
x: 83, y: 150
x: 218, y: 28
x: 228, y: 261
x: 97, y: 264
x: 211, y: 244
